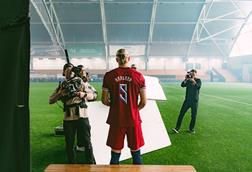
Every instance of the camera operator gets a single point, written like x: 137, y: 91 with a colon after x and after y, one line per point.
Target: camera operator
x: 72, y: 93
x: 92, y: 96
x: 193, y: 86
x: 133, y: 66
x: 86, y: 78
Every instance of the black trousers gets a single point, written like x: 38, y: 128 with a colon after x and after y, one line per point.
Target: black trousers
x: 84, y: 139
x: 83, y: 133
x: 70, y: 130
x: 186, y: 105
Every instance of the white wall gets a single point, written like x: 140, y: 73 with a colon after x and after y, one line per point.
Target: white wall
x: 166, y: 63
x: 42, y: 63
x: 215, y: 63
x: 90, y: 63
x: 138, y: 61
x: 159, y: 63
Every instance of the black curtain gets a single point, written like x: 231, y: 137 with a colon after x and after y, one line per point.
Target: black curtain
x: 14, y: 86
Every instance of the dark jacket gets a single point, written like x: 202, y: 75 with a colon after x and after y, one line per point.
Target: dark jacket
x: 192, y: 91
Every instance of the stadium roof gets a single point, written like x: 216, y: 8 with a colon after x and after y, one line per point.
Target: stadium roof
x: 183, y: 28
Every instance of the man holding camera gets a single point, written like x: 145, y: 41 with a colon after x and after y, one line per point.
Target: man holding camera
x: 72, y: 93
x: 193, y: 86
x: 86, y: 78
x: 93, y: 94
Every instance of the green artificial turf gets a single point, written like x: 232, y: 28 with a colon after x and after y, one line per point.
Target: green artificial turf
x: 221, y: 143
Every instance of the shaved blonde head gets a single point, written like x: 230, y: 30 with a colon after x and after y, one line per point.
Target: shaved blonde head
x: 122, y: 55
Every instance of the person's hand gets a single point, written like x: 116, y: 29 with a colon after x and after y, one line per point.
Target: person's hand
x: 81, y: 94
x: 193, y: 81
x: 62, y: 92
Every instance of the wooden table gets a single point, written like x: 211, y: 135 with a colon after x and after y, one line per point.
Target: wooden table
x: 118, y: 168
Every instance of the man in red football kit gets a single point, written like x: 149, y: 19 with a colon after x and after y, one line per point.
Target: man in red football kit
x: 121, y: 88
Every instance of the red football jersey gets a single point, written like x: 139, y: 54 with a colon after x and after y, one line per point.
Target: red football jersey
x: 124, y: 85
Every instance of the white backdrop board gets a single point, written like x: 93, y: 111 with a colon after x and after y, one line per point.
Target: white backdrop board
x: 154, y: 90
x: 154, y: 131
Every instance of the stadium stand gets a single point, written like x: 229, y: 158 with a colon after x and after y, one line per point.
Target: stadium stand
x: 226, y: 74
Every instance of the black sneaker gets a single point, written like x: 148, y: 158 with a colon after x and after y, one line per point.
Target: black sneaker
x: 175, y: 130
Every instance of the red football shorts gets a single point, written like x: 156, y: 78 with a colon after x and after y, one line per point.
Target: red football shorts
x: 134, y: 137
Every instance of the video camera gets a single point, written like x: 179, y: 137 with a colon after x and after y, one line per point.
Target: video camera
x: 72, y: 87
x: 80, y: 72
x: 189, y: 75
x: 76, y: 70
